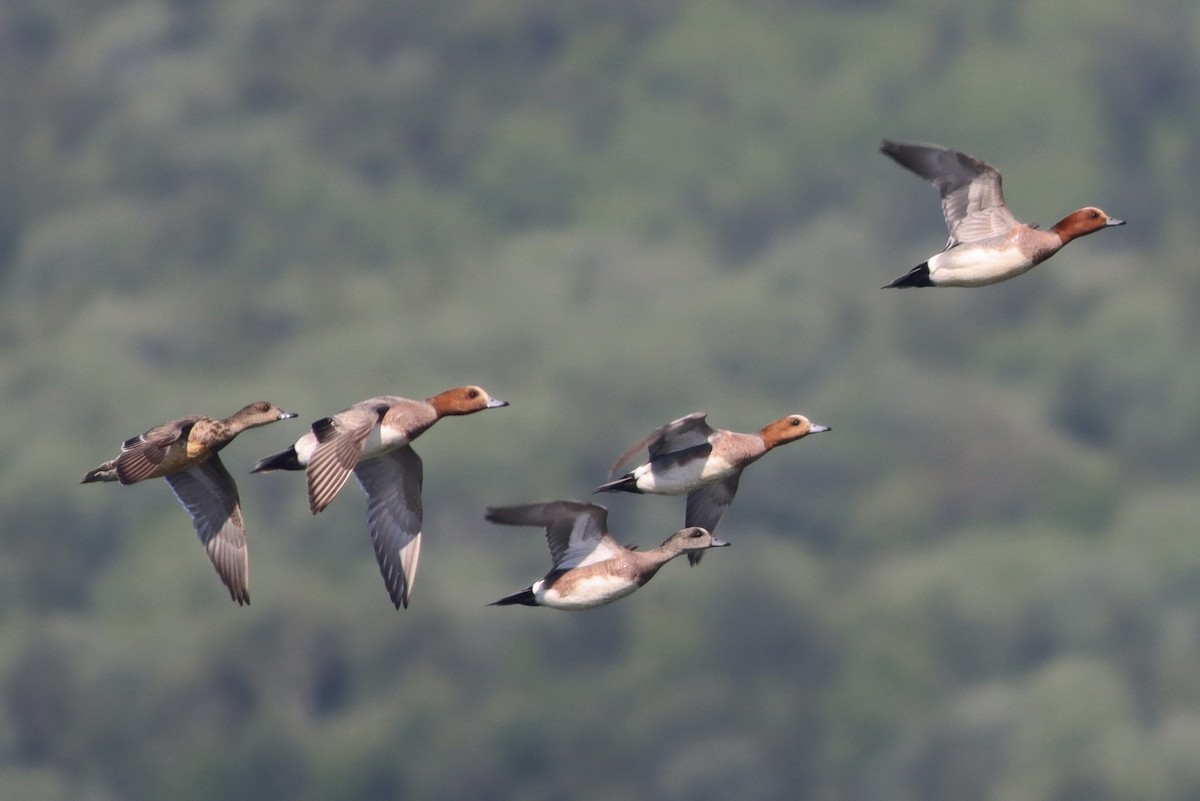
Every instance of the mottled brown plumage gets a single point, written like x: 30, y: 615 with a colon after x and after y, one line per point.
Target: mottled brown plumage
x: 184, y: 452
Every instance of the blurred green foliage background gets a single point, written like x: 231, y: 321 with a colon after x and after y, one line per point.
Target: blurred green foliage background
x: 983, y: 584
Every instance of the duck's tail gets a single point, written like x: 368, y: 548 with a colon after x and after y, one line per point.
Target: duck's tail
x: 105, y: 472
x: 626, y: 483
x: 524, y: 597
x: 284, y: 460
x: 917, y: 276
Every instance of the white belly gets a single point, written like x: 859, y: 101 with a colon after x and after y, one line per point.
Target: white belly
x: 976, y: 266
x: 586, y: 593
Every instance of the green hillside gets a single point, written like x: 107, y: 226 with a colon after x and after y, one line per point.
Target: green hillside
x: 984, y: 583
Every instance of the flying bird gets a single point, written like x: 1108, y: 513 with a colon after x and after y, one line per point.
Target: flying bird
x: 371, y: 439
x: 987, y: 245
x: 689, y: 456
x: 184, y: 452
x: 590, y: 568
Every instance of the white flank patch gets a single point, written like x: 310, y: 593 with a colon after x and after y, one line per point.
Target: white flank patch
x: 305, y: 447
x: 681, y: 478
x: 378, y: 444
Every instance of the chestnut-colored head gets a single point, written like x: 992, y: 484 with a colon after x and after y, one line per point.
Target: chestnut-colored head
x: 464, y: 400
x: 786, y: 429
x: 1083, y: 222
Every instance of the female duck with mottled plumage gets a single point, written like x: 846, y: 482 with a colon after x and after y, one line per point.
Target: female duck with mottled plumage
x: 184, y: 452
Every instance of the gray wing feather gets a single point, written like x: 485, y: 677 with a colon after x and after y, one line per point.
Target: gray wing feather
x: 972, y: 195
x: 686, y: 432
x: 576, y: 532
x: 392, y: 483
x: 210, y: 496
x: 707, y: 505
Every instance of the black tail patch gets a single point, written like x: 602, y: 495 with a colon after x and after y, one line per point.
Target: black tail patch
x: 626, y: 483
x: 285, y: 460
x: 524, y: 597
x: 917, y: 276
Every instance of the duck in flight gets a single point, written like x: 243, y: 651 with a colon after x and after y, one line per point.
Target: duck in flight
x: 689, y: 456
x: 184, y: 452
x: 590, y: 567
x: 371, y: 439
x: 987, y: 245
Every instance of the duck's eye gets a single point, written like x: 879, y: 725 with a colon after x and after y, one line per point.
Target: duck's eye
x: 1095, y: 214
x: 473, y: 393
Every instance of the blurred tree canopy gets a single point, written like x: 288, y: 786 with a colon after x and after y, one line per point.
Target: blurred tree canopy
x: 983, y: 584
